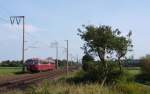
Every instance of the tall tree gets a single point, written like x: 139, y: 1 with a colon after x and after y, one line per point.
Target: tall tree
x: 103, y: 41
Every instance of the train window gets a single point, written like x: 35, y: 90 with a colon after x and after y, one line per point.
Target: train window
x: 44, y: 62
x: 32, y: 62
x: 28, y: 62
x: 35, y: 62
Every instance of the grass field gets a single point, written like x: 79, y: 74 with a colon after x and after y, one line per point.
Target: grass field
x: 8, y: 71
x: 133, y: 70
x: 61, y: 86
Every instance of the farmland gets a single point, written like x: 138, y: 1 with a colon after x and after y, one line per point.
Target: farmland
x: 9, y: 71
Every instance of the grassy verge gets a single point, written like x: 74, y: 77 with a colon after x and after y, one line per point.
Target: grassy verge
x: 62, y: 86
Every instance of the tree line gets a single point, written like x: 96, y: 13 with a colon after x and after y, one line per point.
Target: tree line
x: 18, y: 63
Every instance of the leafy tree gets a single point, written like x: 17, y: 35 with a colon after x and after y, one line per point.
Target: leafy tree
x: 104, y: 42
x: 122, y: 45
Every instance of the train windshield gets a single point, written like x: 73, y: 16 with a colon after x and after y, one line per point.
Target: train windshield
x: 44, y: 62
x: 32, y: 62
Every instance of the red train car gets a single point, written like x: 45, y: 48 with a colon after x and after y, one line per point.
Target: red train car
x: 36, y: 64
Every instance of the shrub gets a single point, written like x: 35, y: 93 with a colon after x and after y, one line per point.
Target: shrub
x: 95, y: 72
x: 86, y: 60
x: 125, y: 77
x: 145, y: 67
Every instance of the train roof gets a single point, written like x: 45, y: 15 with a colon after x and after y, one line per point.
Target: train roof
x: 46, y: 60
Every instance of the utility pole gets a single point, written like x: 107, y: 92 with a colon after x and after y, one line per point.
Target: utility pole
x: 55, y: 44
x: 77, y: 59
x: 56, y: 55
x: 18, y: 20
x: 67, y: 57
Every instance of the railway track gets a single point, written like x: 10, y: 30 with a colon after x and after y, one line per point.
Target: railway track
x: 24, y: 81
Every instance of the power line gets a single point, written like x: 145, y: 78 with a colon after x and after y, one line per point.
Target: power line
x: 38, y: 41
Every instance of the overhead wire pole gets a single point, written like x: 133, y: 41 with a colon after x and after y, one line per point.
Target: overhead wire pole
x: 18, y: 19
x: 23, y: 41
x: 55, y: 44
x: 67, y: 57
x: 77, y: 59
x: 57, y: 55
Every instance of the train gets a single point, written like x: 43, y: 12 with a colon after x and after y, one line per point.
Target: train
x: 37, y: 64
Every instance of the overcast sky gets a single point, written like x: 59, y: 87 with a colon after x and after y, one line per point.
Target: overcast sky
x: 57, y: 20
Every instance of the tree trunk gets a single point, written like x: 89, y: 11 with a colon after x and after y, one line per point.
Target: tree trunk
x: 101, y: 55
x: 104, y: 80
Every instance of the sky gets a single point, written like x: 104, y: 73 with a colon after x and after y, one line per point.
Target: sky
x: 48, y: 21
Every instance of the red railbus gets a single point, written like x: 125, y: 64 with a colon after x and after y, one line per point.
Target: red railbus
x: 36, y: 64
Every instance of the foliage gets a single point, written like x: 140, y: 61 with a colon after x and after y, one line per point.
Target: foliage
x: 95, y: 73
x: 104, y: 42
x: 86, y: 61
x: 144, y: 77
x: 62, y: 63
x: 145, y: 65
x: 9, y: 63
x: 125, y: 77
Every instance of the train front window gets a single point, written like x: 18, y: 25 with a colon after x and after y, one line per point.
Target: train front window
x: 35, y: 62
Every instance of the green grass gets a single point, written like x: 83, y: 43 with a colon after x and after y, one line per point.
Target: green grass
x: 62, y: 86
x: 133, y: 70
x: 8, y: 71
x: 133, y: 88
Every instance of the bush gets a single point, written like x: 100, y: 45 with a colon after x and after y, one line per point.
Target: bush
x: 95, y: 72
x: 125, y: 77
x: 145, y: 68
x: 86, y: 62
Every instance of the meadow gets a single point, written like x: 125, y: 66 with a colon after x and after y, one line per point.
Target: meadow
x: 9, y: 71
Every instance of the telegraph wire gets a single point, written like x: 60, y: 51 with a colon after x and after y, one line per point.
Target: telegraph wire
x: 35, y: 37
